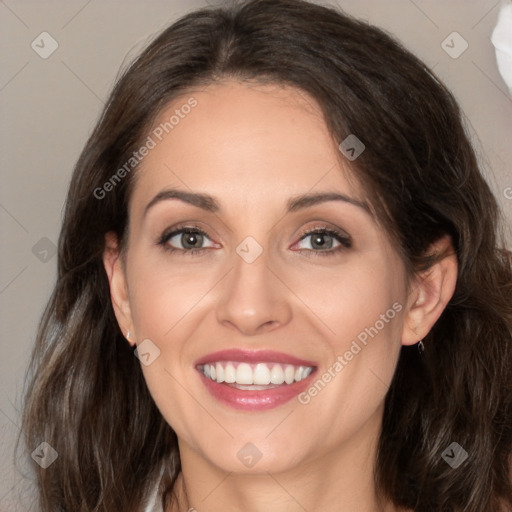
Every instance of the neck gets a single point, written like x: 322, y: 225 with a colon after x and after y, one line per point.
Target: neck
x: 339, y: 480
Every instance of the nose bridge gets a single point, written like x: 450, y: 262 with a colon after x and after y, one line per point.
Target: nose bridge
x: 252, y: 298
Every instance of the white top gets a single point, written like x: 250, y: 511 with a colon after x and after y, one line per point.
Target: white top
x: 154, y: 501
x: 153, y: 504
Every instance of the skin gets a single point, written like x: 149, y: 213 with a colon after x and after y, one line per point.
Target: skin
x: 252, y: 148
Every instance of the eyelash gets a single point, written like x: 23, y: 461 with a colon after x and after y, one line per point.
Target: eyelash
x: 344, y: 240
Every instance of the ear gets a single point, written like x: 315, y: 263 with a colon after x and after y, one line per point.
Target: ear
x: 431, y: 291
x: 118, y: 286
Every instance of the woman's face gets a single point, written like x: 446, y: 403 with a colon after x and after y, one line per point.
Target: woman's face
x: 250, y: 295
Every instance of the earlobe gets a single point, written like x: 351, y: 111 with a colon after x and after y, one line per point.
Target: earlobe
x: 431, y: 292
x: 113, y: 264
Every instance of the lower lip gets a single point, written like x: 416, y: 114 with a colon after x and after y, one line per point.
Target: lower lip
x: 254, y: 400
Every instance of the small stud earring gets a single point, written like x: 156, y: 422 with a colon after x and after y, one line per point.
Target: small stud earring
x: 421, y: 347
x: 127, y: 335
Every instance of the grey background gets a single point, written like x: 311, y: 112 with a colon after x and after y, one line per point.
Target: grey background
x: 49, y: 106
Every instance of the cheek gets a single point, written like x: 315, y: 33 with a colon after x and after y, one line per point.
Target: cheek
x: 361, y: 312
x: 162, y: 295
x: 354, y: 301
x: 168, y: 304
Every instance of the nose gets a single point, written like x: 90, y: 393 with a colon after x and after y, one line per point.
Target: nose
x: 253, y: 298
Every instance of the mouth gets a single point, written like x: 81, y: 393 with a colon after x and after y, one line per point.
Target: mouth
x: 254, y: 380
x: 254, y: 376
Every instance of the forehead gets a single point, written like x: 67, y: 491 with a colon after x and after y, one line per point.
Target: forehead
x: 243, y: 139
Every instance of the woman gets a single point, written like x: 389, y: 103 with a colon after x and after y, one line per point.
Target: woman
x: 280, y: 284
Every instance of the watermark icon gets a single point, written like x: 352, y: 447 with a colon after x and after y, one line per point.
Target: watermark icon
x: 249, y: 249
x: 146, y: 352
x: 45, y: 455
x: 455, y: 455
x: 454, y: 45
x: 351, y: 147
x: 150, y: 143
x: 508, y: 193
x: 44, y: 250
x: 343, y: 360
x: 249, y: 455
x: 44, y: 45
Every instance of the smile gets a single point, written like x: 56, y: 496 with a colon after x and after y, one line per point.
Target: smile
x: 251, y: 376
x: 254, y: 380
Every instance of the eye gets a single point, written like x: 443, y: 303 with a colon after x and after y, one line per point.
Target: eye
x: 324, y: 241
x: 190, y: 240
x: 186, y: 239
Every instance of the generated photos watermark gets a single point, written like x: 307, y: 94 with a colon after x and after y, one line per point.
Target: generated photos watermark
x: 156, y: 136
x: 343, y: 360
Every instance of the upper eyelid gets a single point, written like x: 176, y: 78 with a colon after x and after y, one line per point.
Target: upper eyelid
x: 337, y: 231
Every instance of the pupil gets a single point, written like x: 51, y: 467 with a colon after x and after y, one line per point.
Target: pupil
x: 191, y: 239
x: 319, y: 241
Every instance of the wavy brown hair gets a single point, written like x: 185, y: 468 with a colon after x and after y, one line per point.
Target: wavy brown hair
x: 86, y: 395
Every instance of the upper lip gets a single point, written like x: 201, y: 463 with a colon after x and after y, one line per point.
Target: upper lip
x: 253, y: 356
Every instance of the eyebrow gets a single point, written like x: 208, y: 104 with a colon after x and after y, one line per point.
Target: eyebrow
x: 210, y: 204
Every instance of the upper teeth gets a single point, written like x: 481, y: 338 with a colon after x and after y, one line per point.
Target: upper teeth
x: 260, y: 374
